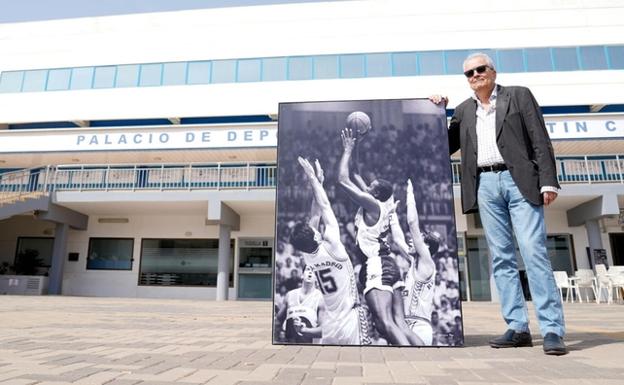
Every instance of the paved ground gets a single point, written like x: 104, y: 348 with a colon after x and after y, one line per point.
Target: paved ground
x: 73, y: 340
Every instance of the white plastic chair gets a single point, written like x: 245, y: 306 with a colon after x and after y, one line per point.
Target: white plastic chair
x: 603, y: 283
x: 585, y: 279
x: 616, y: 275
x: 563, y: 282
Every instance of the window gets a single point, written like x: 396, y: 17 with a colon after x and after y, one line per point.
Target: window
x: 405, y: 64
x: 248, y: 70
x: 34, y: 80
x: 81, y: 78
x: 616, y: 57
x: 199, y: 72
x: 150, y: 75
x: 110, y: 254
x: 104, y: 77
x: 510, y: 60
x: 593, y: 58
x: 127, y: 76
x: 33, y: 255
x: 379, y: 64
x: 59, y: 79
x: 300, y: 68
x: 326, y: 67
x: 352, y: 66
x: 565, y: 59
x: 11, y: 81
x: 223, y: 71
x: 538, y: 59
x: 182, y: 262
x: 431, y: 63
x: 174, y: 74
x: 274, y: 69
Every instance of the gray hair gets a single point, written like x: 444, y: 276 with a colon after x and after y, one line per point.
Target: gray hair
x: 488, y: 59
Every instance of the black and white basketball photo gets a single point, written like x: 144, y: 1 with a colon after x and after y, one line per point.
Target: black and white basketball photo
x: 366, y: 248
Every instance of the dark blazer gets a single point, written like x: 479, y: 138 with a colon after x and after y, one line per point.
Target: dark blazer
x: 522, y: 140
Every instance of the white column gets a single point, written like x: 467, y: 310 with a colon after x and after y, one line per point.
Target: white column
x: 59, y: 252
x: 223, y: 264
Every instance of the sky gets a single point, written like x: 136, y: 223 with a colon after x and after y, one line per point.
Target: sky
x: 13, y: 11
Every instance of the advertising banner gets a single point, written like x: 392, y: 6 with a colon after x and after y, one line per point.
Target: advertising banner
x: 366, y: 248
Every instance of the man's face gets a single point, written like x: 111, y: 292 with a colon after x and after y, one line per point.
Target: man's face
x: 308, y: 274
x: 480, y: 81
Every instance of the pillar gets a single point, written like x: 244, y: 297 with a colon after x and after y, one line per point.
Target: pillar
x: 59, y: 251
x: 223, y: 264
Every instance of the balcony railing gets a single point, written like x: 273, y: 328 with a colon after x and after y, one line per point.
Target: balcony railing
x: 35, y: 182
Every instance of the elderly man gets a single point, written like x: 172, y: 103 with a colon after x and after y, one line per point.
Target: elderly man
x: 508, y: 175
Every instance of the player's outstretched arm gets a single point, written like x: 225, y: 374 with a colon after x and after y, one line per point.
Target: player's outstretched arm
x: 359, y: 181
x: 426, y: 265
x: 362, y: 198
x: 398, y: 237
x: 315, y: 210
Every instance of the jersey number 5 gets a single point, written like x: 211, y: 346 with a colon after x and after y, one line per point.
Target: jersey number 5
x: 326, y: 282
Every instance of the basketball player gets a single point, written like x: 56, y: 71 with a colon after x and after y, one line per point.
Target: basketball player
x: 345, y: 323
x: 419, y: 281
x: 303, y: 310
x: 373, y: 226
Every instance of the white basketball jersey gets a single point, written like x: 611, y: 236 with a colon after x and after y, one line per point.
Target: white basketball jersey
x: 418, y: 296
x: 304, y: 306
x: 372, y: 240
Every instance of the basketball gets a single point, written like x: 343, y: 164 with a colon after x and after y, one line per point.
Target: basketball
x: 359, y: 122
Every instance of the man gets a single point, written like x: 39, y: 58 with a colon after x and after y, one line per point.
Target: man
x: 376, y: 204
x: 508, y: 175
x: 346, y: 322
x: 303, y: 310
x: 419, y: 281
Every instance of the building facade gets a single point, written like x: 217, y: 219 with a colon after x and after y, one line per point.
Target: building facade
x: 138, y: 152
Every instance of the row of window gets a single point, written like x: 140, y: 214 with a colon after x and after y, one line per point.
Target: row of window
x: 309, y: 67
x: 164, y: 262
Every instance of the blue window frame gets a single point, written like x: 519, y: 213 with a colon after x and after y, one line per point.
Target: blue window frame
x: 199, y: 72
x: 431, y: 63
x: 223, y: 71
x: 510, y: 60
x: 174, y: 74
x: 58, y: 79
x: 378, y: 64
x: 593, y: 58
x: 538, y: 59
x: 616, y: 57
x: 565, y: 59
x: 326, y: 67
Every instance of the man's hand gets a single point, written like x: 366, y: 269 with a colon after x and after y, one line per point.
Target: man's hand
x: 348, y: 140
x: 549, y: 197
x: 438, y: 99
x: 320, y: 175
x: 307, y: 168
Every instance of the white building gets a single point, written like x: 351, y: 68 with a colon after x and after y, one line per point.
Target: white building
x: 139, y: 151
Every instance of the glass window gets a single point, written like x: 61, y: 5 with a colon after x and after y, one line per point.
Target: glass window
x: 593, y: 58
x: 405, y: 64
x: 81, y: 78
x: 150, y: 75
x: 326, y: 67
x: 352, y: 66
x: 248, y: 70
x: 110, y: 254
x: 378, y: 64
x: 34, y: 80
x: 223, y: 71
x: 299, y: 68
x: 59, y: 79
x: 538, y: 59
x: 11, y: 81
x: 274, y: 69
x: 455, y: 62
x: 33, y: 256
x: 510, y: 60
x: 199, y: 72
x: 565, y: 59
x: 174, y: 74
x: 104, y: 77
x: 127, y: 76
x: 189, y: 262
x: 616, y: 57
x: 431, y: 63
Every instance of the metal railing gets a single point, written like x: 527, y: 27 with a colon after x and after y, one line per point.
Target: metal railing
x: 35, y: 182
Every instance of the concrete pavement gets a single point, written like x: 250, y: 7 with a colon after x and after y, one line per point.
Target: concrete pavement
x: 55, y: 340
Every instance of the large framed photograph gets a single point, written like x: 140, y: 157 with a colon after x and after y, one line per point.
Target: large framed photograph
x: 366, y: 248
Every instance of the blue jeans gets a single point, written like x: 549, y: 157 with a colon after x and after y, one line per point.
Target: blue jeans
x: 502, y: 207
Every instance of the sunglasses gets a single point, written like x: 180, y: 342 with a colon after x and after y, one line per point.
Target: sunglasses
x: 479, y: 70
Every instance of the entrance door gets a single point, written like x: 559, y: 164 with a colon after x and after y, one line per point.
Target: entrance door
x: 617, y: 247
